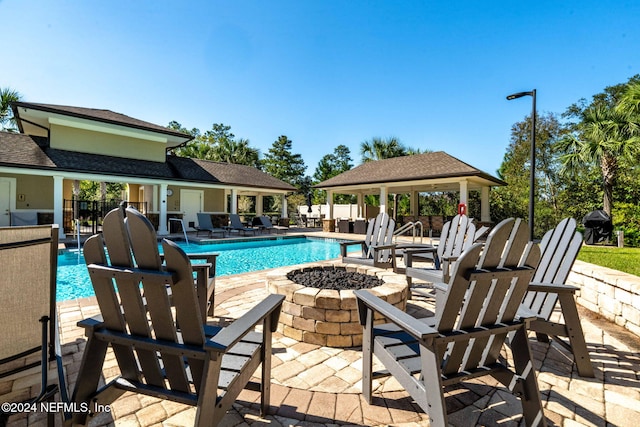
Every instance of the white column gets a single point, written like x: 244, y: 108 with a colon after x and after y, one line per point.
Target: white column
x: 464, y: 192
x: 329, y: 204
x: 162, y: 221
x: 283, y: 204
x: 58, y: 204
x: 259, y: 204
x: 360, y: 205
x: 383, y: 199
x: 234, y: 201
x: 485, y: 215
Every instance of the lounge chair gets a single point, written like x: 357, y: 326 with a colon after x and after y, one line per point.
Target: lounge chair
x: 205, y: 224
x: 464, y: 339
x: 160, y: 343
x: 237, y: 225
x: 28, y: 261
x: 377, y: 247
x: 560, y: 248
x: 457, y: 235
x: 268, y: 225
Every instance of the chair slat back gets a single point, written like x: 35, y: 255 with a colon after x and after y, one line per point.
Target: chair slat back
x: 486, y: 287
x: 28, y: 262
x: 204, y: 221
x: 457, y: 235
x: 379, y: 232
x: 134, y: 298
x: 559, y: 247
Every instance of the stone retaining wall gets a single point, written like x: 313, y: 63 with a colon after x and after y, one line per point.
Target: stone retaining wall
x: 612, y: 294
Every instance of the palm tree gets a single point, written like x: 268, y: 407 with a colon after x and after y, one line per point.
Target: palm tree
x: 235, y: 151
x: 607, y: 136
x: 7, y: 121
x: 379, y: 148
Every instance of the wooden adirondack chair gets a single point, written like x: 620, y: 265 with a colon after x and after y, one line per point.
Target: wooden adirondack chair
x: 464, y: 339
x: 151, y: 321
x: 457, y: 235
x: 377, y: 247
x: 560, y: 248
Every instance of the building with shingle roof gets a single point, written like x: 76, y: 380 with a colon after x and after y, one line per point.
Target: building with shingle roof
x: 60, y: 145
x: 418, y: 173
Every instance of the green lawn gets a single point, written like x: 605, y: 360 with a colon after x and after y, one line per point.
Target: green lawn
x: 621, y: 259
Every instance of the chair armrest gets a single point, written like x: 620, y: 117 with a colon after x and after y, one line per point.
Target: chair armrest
x: 343, y: 246
x: 408, y: 323
x: 551, y: 287
x: 91, y: 323
x: 233, y: 333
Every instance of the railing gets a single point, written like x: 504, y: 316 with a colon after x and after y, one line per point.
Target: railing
x: 414, y: 227
x: 90, y: 214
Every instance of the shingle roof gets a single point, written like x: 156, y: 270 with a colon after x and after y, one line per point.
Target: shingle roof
x: 407, y: 168
x: 105, y: 116
x: 24, y: 151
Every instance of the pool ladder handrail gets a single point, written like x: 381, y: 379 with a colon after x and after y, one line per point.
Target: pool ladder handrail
x: 413, y: 226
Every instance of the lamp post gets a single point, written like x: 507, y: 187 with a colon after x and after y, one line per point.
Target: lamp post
x: 532, y: 178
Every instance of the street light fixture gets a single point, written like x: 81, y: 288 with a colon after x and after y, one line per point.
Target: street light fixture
x: 532, y: 178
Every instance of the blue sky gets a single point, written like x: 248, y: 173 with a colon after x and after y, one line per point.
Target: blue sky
x: 433, y: 74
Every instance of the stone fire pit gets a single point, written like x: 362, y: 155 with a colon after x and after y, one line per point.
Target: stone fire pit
x: 329, y: 317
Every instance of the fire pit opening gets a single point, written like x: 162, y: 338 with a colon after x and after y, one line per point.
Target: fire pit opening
x: 333, y: 278
x: 320, y: 305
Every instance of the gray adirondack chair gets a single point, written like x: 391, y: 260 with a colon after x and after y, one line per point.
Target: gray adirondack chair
x: 457, y: 235
x: 464, y: 339
x: 158, y: 337
x: 560, y: 248
x: 29, y: 336
x: 377, y: 247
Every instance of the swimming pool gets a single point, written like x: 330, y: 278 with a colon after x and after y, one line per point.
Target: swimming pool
x: 234, y: 258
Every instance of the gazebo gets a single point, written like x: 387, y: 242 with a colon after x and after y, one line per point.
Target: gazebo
x: 414, y: 174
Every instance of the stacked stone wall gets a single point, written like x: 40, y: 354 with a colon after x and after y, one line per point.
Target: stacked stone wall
x: 610, y: 293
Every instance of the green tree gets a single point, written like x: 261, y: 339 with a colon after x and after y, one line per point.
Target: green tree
x: 7, y: 121
x: 237, y: 152
x: 381, y: 148
x: 513, y: 200
x: 281, y: 163
x: 606, y: 136
x: 329, y: 166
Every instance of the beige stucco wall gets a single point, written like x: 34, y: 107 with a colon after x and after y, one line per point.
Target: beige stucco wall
x: 33, y: 192
x: 85, y: 141
x: 213, y: 198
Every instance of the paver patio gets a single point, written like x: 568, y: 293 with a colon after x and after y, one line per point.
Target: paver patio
x: 318, y: 386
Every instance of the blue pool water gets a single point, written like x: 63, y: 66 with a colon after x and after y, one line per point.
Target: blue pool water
x: 234, y: 258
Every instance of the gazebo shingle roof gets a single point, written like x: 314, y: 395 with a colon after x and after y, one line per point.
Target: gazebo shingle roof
x: 407, y: 168
x: 19, y: 150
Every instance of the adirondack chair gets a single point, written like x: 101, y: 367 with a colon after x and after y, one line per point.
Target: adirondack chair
x: 29, y: 336
x: 266, y: 223
x: 158, y: 338
x: 377, y: 247
x: 560, y: 248
x: 457, y: 235
x: 463, y: 341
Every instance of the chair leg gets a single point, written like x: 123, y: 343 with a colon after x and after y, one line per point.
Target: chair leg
x: 367, y: 357
x: 88, y: 376
x: 523, y: 362
x: 576, y: 335
x: 265, y: 392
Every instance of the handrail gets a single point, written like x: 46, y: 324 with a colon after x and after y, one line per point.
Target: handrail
x: 414, y: 226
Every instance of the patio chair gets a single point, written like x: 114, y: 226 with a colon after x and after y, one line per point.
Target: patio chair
x: 29, y: 337
x: 457, y: 235
x: 464, y: 339
x: 377, y: 248
x: 268, y: 225
x: 160, y: 343
x: 236, y: 224
x: 560, y: 248
x: 205, y: 224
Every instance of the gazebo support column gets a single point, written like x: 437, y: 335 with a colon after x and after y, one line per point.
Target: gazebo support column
x: 162, y: 222
x: 464, y: 192
x: 58, y: 208
x: 234, y: 201
x: 383, y: 199
x: 484, y: 205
